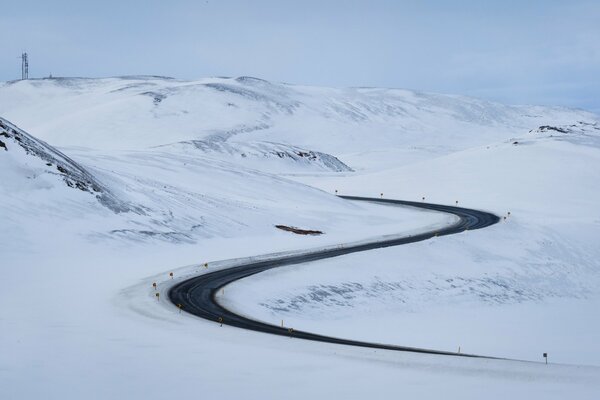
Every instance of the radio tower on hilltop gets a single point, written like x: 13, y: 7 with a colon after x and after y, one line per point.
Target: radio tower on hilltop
x: 24, y: 66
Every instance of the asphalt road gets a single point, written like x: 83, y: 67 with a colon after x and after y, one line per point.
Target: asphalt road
x: 198, y: 295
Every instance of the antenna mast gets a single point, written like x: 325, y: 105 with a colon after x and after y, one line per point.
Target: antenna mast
x: 24, y: 66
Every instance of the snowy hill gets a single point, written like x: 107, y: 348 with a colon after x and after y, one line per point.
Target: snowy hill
x: 169, y: 193
x: 25, y: 156
x: 542, y: 259
x: 138, y: 112
x: 220, y: 132
x: 109, y: 184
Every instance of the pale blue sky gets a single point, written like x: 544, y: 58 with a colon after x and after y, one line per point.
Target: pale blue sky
x: 537, y: 52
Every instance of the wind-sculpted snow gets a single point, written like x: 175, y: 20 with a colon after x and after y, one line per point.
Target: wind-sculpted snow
x: 410, y: 294
x: 174, y: 196
x: 271, y: 100
x: 139, y: 112
x: 299, y: 159
x: 73, y: 174
x: 189, y: 193
x: 223, y: 136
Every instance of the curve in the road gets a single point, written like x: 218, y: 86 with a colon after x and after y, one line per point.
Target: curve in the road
x: 198, y: 295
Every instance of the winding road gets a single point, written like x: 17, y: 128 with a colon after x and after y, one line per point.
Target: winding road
x: 198, y: 295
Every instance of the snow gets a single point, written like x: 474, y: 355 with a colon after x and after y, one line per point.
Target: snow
x: 541, y: 263
x: 203, y: 170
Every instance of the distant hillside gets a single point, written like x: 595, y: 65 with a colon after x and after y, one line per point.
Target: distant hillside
x: 140, y: 112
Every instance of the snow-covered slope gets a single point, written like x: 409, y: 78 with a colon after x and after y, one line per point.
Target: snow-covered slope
x: 29, y: 160
x: 148, y: 174
x: 265, y: 156
x: 541, y: 262
x: 137, y: 112
x: 171, y: 193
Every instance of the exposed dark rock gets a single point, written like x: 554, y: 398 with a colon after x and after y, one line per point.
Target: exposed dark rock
x: 545, y: 128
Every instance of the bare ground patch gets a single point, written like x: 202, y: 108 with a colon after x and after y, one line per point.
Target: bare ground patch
x: 298, y: 231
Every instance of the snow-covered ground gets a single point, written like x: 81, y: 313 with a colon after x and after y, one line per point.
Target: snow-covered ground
x: 154, y: 175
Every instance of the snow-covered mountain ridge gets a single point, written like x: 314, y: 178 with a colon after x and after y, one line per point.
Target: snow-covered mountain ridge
x: 137, y: 112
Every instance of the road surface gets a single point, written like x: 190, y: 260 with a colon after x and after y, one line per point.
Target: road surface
x: 198, y: 295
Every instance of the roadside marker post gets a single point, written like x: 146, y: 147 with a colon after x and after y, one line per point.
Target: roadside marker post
x: 291, y: 330
x: 546, y: 357
x: 205, y: 265
x: 154, y: 285
x: 381, y: 194
x: 171, y: 275
x: 282, y: 323
x: 157, y: 296
x: 180, y: 306
x: 423, y: 198
x: 458, y: 349
x: 221, y: 321
x: 456, y: 202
